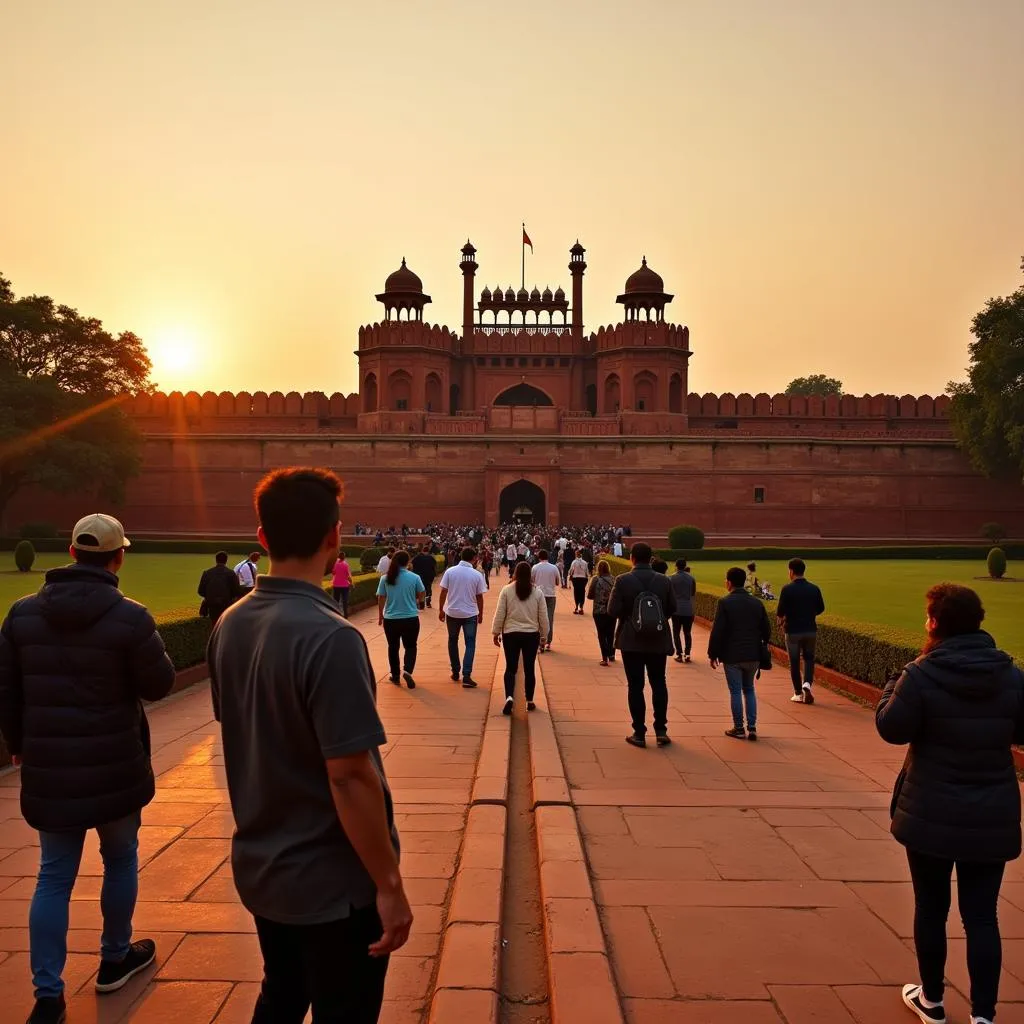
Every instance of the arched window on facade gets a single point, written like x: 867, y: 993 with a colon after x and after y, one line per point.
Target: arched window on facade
x: 400, y: 391
x: 675, y: 393
x: 612, y: 393
x: 370, y: 393
x: 645, y: 392
x: 434, y: 393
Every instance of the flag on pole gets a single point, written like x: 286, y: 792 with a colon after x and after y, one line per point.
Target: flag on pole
x: 526, y: 239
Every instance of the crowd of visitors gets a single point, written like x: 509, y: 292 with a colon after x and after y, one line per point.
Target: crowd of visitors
x: 315, y: 854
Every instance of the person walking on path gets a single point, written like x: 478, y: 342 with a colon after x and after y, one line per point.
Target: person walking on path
x: 738, y: 634
x: 246, y: 571
x: 384, y: 561
x: 511, y: 557
x: 400, y: 596
x: 563, y: 566
x: 520, y: 624
x: 76, y: 660
x: 341, y: 582
x: 219, y: 587
x: 684, y: 588
x: 425, y: 566
x: 956, y: 803
x: 800, y: 604
x: 642, y: 603
x: 599, y: 591
x: 578, y: 574
x: 315, y: 854
x: 461, y: 608
x: 546, y: 577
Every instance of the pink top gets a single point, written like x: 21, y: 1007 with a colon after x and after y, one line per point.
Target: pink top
x: 342, y: 574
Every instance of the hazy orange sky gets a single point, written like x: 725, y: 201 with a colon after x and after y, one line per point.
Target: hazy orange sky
x: 825, y: 186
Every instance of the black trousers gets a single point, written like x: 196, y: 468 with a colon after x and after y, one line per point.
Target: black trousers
x: 637, y: 665
x: 978, y: 892
x: 798, y: 644
x: 526, y: 644
x: 685, y: 623
x: 325, y: 966
x: 605, y: 626
x: 341, y: 596
x: 579, y: 591
x: 406, y: 632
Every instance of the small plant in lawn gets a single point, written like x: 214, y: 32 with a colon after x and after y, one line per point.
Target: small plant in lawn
x: 996, y: 562
x: 689, y: 538
x: 24, y: 555
x: 994, y: 532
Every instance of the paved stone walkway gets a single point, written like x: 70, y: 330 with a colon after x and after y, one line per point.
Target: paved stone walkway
x: 743, y: 882
x: 208, y: 961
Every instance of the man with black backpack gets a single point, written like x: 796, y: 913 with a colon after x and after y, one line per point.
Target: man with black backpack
x: 219, y: 587
x: 643, y: 603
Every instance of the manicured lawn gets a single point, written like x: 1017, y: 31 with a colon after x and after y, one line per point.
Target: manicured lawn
x: 892, y: 593
x: 164, y: 583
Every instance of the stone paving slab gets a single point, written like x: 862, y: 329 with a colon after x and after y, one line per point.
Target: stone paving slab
x: 208, y: 965
x: 739, y: 881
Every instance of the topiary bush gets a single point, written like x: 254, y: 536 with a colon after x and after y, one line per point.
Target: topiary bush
x: 24, y: 555
x: 996, y: 563
x: 689, y: 538
x: 370, y: 557
x: 41, y: 531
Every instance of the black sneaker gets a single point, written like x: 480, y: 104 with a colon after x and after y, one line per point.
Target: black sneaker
x: 394, y: 679
x: 409, y: 681
x: 455, y: 677
x: 636, y: 741
x: 808, y: 696
x: 530, y: 706
x: 663, y: 740
x: 507, y: 709
x: 49, y: 1010
x: 752, y: 735
x: 912, y: 995
x: 114, y: 975
x: 739, y: 733
x: 468, y: 684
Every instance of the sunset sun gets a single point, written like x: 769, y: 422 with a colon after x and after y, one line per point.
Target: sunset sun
x: 175, y: 353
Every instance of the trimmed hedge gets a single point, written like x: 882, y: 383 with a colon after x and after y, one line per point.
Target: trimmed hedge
x: 996, y: 563
x: 149, y: 546
x: 24, y: 555
x: 858, y: 649
x: 686, y: 537
x: 744, y: 555
x: 38, y: 531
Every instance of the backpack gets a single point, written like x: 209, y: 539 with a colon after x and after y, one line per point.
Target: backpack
x: 218, y: 591
x: 648, y: 616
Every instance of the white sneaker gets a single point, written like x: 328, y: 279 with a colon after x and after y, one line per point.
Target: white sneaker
x: 980, y: 1020
x: 808, y: 696
x: 507, y: 709
x: 797, y: 698
x: 913, y: 996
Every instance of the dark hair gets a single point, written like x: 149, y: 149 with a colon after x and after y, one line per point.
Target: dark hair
x: 297, y: 508
x: 681, y: 564
x: 391, y: 552
x: 660, y: 566
x: 400, y: 561
x: 523, y: 582
x: 603, y: 568
x: 955, y: 609
x: 737, y: 577
x: 97, y: 559
x: 467, y: 554
x: 221, y: 558
x: 641, y: 553
x: 542, y: 555
x: 752, y: 566
x: 797, y: 566
x: 254, y: 556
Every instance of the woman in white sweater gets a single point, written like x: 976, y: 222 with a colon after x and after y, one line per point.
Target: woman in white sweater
x: 520, y: 621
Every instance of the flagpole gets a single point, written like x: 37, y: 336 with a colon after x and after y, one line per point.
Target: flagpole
x: 522, y: 242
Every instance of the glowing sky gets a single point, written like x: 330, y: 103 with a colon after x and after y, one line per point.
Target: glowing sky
x: 825, y: 185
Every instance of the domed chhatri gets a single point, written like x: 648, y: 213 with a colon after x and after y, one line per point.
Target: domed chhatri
x: 403, y: 280
x: 403, y: 292
x: 644, y: 294
x: 644, y: 280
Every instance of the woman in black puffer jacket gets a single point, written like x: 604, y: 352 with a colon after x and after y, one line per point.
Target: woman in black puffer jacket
x: 960, y: 706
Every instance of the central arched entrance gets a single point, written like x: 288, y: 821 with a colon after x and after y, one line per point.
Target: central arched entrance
x: 522, y: 502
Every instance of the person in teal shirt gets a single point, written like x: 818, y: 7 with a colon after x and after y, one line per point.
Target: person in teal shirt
x: 400, y: 596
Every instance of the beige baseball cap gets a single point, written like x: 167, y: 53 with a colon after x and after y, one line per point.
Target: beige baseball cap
x: 99, y: 532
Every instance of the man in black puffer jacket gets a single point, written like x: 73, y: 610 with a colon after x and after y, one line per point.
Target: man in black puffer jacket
x: 76, y: 660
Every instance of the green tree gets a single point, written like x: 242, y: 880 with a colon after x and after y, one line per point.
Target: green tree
x: 63, y: 380
x: 815, y: 384
x: 987, y: 411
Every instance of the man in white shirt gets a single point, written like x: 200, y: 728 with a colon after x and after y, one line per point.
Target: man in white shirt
x: 547, y: 577
x: 385, y: 562
x: 462, y: 608
x: 246, y: 571
x: 511, y: 557
x: 617, y: 549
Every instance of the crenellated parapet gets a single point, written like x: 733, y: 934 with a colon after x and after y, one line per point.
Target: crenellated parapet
x: 836, y: 407
x: 641, y: 334
x: 407, y: 334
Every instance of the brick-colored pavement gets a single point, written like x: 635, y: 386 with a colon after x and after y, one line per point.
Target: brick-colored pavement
x: 208, y: 961
x: 740, y: 881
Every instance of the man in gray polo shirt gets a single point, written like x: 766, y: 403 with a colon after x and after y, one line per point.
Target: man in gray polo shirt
x: 315, y: 851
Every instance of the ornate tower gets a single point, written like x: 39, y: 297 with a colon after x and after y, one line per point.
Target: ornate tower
x: 469, y: 266
x: 577, y: 265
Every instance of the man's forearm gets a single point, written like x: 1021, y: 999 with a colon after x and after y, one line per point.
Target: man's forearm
x: 359, y: 801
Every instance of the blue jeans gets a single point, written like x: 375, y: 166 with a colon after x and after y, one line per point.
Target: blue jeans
x: 469, y: 627
x: 60, y: 856
x: 740, y: 678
